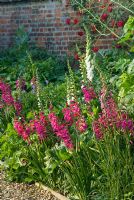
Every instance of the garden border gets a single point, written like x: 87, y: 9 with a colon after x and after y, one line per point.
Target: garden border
x: 56, y: 194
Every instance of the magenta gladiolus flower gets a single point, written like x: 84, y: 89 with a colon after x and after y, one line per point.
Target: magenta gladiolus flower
x: 7, y: 98
x: 89, y: 94
x: 22, y: 130
x: 18, y: 107
x: 81, y: 125
x: 40, y: 129
x: 97, y: 130
x: 75, y: 109
x: 43, y: 118
x: 67, y: 115
x: 60, y: 130
x: 21, y: 84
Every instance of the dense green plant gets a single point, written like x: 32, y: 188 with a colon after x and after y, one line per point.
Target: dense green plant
x: 115, y: 165
x: 128, y: 34
x: 14, y: 155
x: 16, y: 61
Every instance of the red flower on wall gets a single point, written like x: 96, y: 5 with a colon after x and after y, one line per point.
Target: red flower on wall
x: 120, y: 23
x: 104, y: 17
x: 110, y: 9
x: 95, y: 49
x: 93, y: 27
x: 76, y: 56
x: 76, y: 21
x: 118, y: 46
x: 79, y: 12
x: 80, y: 33
x: 68, y: 21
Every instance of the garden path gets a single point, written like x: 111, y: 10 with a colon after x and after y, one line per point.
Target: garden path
x: 21, y: 191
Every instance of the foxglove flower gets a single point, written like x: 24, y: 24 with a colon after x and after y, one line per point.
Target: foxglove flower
x: 68, y: 21
x: 40, y: 129
x: 89, y: 69
x: 81, y: 125
x: 89, y: 94
x: 67, y: 116
x: 75, y: 109
x: 21, y: 84
x: 60, y: 130
x: 104, y: 17
x: 18, y: 107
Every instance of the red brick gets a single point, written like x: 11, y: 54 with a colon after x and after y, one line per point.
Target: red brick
x: 47, y: 24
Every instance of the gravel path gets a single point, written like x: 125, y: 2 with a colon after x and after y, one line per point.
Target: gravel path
x: 21, y: 191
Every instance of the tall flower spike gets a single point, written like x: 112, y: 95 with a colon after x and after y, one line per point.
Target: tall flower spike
x: 82, y: 66
x: 60, y: 130
x: 89, y: 66
x: 38, y: 92
x: 71, y: 90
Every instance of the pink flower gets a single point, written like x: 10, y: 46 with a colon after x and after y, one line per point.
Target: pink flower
x: 6, y: 93
x: 5, y: 88
x: 60, y: 130
x: 18, y: 126
x: 21, y: 84
x: 111, y: 117
x: 68, y: 21
x: 22, y: 130
x: 7, y: 98
x: 18, y: 107
x: 104, y: 17
x: 43, y: 119
x: 54, y: 121
x: 97, y: 130
x: 75, y: 109
x: 81, y: 125
x: 64, y: 135
x: 40, y: 129
x: 67, y: 115
x: 120, y: 23
x: 89, y: 94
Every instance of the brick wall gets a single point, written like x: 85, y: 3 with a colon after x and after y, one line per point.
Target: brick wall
x: 45, y: 22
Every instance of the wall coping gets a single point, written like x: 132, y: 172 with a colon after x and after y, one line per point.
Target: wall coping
x: 4, y: 2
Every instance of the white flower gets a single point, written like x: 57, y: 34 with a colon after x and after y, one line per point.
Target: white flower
x: 89, y: 69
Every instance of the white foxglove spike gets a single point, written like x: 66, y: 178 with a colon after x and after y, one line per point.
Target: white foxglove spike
x: 89, y: 69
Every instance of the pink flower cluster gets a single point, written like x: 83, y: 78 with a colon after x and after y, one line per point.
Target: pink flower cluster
x: 81, y: 125
x: 112, y: 118
x: 7, y: 97
x: 40, y: 129
x: 89, y: 94
x: 60, y: 130
x: 6, y: 93
x: 37, y: 125
x: 72, y: 114
x: 21, y: 84
x: 68, y: 116
x: 22, y: 130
